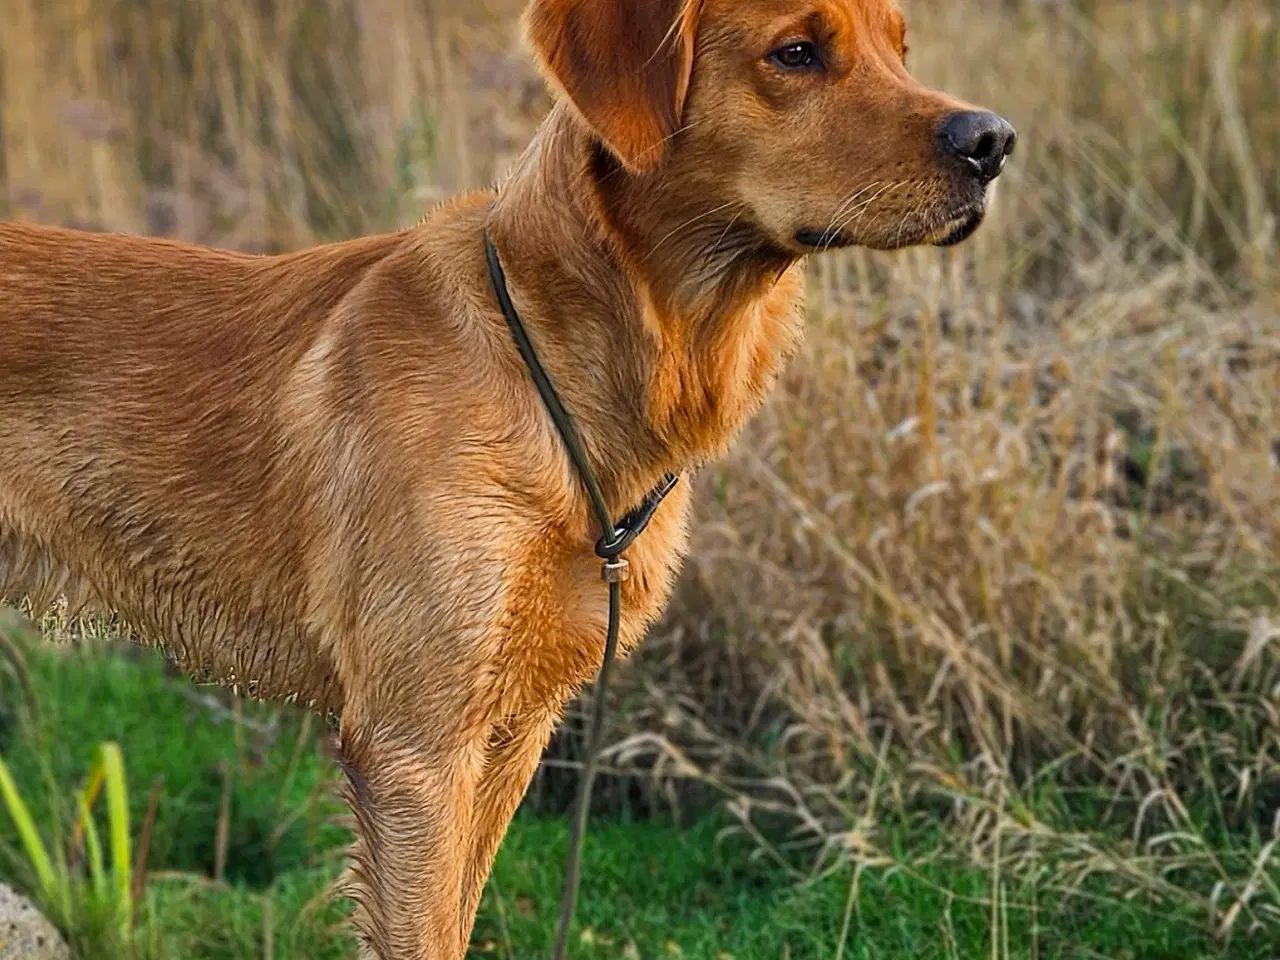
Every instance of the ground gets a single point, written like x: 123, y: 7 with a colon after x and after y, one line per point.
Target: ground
x: 246, y: 796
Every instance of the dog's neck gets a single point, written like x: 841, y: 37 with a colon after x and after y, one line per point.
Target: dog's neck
x: 650, y: 306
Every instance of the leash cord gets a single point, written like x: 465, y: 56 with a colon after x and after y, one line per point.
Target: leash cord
x: 582, y: 802
x: 610, y: 547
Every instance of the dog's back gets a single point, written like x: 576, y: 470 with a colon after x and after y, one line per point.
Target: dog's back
x: 145, y: 456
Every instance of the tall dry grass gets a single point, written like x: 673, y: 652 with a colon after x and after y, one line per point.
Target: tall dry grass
x: 1003, y: 550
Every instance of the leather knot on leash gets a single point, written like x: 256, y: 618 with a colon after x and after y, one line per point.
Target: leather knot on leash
x: 609, y: 548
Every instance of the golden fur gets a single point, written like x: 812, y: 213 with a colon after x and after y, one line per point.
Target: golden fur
x: 328, y: 475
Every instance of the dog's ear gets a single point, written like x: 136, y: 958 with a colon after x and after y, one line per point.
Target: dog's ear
x: 624, y: 64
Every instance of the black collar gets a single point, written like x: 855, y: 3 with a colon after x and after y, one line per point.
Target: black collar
x: 616, y: 538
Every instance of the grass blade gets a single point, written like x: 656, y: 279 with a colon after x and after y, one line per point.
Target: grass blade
x: 54, y: 890
x: 118, y: 824
x: 85, y: 825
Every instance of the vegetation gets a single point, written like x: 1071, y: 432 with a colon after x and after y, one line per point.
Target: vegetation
x: 244, y: 841
x: 102, y: 903
x: 990, y: 593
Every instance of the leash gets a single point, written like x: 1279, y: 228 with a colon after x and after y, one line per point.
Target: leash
x: 609, y: 548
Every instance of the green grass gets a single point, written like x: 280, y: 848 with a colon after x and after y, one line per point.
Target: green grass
x: 674, y: 893
x: 259, y: 777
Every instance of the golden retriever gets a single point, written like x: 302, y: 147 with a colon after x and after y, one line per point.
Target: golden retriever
x: 328, y: 475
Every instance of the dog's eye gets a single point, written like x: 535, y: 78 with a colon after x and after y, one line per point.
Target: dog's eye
x: 795, y: 56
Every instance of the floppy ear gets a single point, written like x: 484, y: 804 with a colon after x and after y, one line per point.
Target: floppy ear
x: 624, y: 64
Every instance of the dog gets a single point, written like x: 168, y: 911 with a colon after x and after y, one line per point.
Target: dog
x: 328, y: 476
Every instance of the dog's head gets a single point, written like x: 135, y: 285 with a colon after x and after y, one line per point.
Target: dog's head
x: 799, y: 116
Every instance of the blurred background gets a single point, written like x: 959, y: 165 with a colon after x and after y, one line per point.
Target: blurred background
x: 977, y: 653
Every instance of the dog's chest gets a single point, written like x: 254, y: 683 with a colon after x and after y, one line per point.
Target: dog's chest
x: 557, y: 609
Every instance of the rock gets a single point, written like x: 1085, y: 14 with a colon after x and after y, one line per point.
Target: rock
x: 24, y: 933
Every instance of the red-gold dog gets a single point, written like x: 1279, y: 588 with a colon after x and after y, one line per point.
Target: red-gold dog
x: 329, y: 475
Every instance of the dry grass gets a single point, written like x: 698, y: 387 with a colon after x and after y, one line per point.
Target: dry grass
x: 1003, y: 552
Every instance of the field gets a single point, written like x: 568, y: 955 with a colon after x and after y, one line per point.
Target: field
x: 978, y: 650
x: 247, y: 836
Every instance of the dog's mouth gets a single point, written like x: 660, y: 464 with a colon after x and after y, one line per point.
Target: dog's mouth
x: 956, y: 228
x: 819, y: 240
x: 960, y: 227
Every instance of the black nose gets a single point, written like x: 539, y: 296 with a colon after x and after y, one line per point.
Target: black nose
x: 980, y: 140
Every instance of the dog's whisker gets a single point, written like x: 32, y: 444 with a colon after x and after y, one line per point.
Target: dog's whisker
x: 856, y: 213
x: 855, y: 216
x: 829, y: 232
x: 688, y: 223
x: 664, y: 142
x: 727, y: 227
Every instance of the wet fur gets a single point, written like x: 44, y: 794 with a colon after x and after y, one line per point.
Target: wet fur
x: 327, y: 476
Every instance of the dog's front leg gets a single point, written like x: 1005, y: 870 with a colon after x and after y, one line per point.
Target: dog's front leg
x: 413, y: 800
x: 511, y: 757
